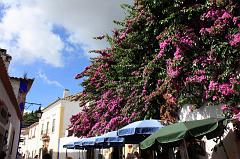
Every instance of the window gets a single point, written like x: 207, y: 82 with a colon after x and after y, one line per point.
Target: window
x: 53, y: 125
x: 42, y: 129
x: 47, y: 127
x: 34, y: 130
x: 30, y: 133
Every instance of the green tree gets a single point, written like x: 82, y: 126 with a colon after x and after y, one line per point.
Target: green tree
x: 29, y: 118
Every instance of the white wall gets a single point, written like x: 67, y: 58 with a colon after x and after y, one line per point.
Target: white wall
x: 70, y: 108
x: 14, y: 123
x: 189, y: 113
x: 32, y: 143
x: 53, y: 112
x: 24, y: 144
x: 230, y: 141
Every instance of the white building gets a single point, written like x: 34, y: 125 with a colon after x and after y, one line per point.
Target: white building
x: 10, y: 113
x: 44, y: 136
x: 31, y: 141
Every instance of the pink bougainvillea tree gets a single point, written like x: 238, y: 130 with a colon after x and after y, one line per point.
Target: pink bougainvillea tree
x: 163, y: 55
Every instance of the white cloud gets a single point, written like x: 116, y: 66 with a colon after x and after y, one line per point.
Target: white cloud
x: 48, y: 81
x: 27, y: 36
x: 27, y: 26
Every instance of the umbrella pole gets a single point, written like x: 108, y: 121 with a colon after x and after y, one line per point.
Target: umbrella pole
x: 99, y: 151
x: 102, y: 150
x: 66, y: 153
x: 185, y: 148
x: 83, y: 150
x: 91, y: 153
x: 79, y: 154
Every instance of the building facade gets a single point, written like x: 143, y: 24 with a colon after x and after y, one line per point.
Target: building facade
x: 10, y: 113
x: 44, y: 136
x: 30, y: 141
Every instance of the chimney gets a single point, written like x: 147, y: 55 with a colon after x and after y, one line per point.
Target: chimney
x: 6, y: 58
x: 65, y: 93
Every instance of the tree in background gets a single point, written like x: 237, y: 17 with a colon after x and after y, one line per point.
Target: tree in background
x: 29, y: 118
x: 164, y: 54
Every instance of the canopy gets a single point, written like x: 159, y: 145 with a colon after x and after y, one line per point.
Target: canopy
x: 107, y: 140
x: 139, y: 130
x: 78, y: 144
x: 69, y: 145
x: 89, y: 141
x: 140, y: 127
x: 110, y: 137
x: 184, y: 130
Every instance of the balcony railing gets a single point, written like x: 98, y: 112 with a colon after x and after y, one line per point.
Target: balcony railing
x: 45, y: 137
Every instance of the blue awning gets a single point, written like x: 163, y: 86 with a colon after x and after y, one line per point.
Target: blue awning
x: 78, y: 143
x: 89, y: 141
x: 137, y: 131
x: 69, y: 145
x: 140, y: 127
x: 109, y: 137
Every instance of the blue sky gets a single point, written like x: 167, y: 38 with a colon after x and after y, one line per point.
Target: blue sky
x: 50, y: 40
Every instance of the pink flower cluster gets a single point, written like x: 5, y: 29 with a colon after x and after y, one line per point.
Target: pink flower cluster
x: 196, y: 79
x: 105, y: 115
x: 221, y: 19
x: 102, y: 52
x: 235, y: 39
x: 178, y: 53
x: 172, y: 71
x: 213, y: 86
x: 199, y: 76
x: 224, y: 89
x: 186, y: 40
x: 144, y: 90
x: 162, y: 46
x: 98, y: 74
x: 215, y: 14
x: 83, y: 73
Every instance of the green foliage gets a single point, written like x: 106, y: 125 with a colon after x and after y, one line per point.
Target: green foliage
x: 29, y: 119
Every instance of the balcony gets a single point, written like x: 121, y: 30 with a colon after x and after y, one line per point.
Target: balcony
x: 45, y: 136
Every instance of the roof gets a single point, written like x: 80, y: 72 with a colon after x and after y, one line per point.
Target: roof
x: 8, y: 87
x: 30, y: 80
x: 34, y: 124
x: 74, y: 97
x: 70, y: 98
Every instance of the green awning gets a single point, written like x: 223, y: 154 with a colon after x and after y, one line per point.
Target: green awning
x: 183, y: 130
